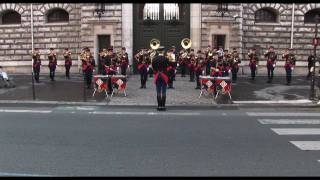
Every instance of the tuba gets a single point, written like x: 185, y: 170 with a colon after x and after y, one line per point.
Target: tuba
x: 186, y: 43
x: 154, y: 44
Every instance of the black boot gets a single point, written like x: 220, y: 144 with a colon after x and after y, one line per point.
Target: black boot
x: 144, y: 84
x: 141, y: 84
x: 159, y: 103
x: 163, y: 103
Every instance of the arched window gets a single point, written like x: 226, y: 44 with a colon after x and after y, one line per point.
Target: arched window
x: 57, y: 15
x: 266, y: 15
x: 10, y: 17
x: 309, y: 17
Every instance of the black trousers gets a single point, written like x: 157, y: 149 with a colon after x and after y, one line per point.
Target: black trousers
x: 289, y: 75
x: 143, y: 77
x: 123, y: 70
x: 68, y: 71
x: 88, y: 77
x: 150, y: 72
x: 270, y: 72
x: 198, y: 80
x: 52, y: 72
x: 183, y: 70
x: 234, y: 74
x: 171, y: 77
x: 36, y: 72
x: 253, y: 71
x: 191, y: 72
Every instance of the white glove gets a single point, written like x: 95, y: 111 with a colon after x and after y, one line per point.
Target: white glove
x: 257, y: 65
x: 229, y: 71
x: 178, y: 65
x: 203, y: 72
x: 292, y: 68
x: 274, y: 65
x: 148, y: 69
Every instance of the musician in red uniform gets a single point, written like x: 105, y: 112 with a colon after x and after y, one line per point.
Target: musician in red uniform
x: 253, y: 62
x: 170, y: 69
x: 88, y: 64
x: 199, y: 68
x: 124, y: 62
x: 175, y: 56
x: 52, y: 56
x: 191, y: 65
x: 290, y: 62
x: 183, y: 60
x: 142, y: 66
x: 160, y: 64
x: 226, y: 69
x: 67, y: 61
x: 36, y: 64
x: 271, y: 57
x: 235, y: 61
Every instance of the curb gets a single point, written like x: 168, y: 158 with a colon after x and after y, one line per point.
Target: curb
x: 234, y: 105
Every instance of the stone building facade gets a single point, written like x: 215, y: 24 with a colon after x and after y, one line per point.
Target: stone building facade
x: 238, y: 27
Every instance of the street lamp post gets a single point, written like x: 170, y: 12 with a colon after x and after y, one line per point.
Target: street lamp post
x: 32, y: 48
x: 100, y: 9
x: 312, y: 90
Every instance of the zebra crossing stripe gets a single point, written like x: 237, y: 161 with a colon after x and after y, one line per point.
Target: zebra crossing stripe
x: 296, y: 131
x: 307, y: 145
x: 289, y: 121
x: 286, y: 114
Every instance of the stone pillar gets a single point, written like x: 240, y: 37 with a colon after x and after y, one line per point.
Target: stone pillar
x: 195, y: 25
x: 127, y: 28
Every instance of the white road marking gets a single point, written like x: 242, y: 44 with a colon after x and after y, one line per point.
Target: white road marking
x: 19, y: 174
x: 292, y: 114
x: 24, y: 111
x: 143, y: 113
x: 300, y: 101
x: 296, y: 131
x: 289, y: 121
x: 85, y: 108
x: 307, y: 145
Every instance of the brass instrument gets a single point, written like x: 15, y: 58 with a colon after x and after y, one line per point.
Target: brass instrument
x: 186, y: 43
x: 185, y: 54
x: 154, y: 44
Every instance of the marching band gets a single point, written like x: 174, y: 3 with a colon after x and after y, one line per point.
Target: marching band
x: 211, y: 62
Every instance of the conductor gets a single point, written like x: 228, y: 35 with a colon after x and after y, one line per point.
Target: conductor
x: 159, y: 65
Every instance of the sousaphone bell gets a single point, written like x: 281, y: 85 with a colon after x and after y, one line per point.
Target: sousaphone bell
x: 186, y: 43
x: 154, y: 44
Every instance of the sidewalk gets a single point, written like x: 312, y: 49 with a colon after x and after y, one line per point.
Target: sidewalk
x: 184, y: 93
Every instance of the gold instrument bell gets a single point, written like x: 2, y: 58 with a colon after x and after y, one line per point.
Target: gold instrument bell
x: 186, y: 43
x: 154, y: 44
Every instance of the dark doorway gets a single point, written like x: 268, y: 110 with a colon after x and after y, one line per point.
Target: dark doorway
x: 219, y: 40
x: 103, y: 43
x: 169, y: 32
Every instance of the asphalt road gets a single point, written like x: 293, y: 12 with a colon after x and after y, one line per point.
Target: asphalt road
x: 109, y: 141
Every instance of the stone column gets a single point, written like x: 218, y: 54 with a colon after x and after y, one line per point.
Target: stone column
x: 127, y: 28
x: 195, y: 25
